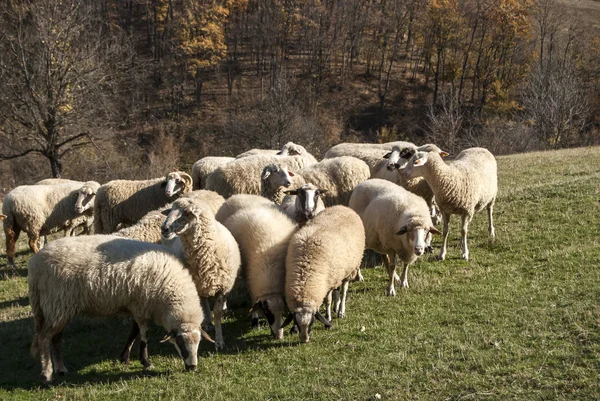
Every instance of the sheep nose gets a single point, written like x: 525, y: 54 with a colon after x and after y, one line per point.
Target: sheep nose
x: 390, y: 167
x: 419, y: 250
x: 190, y: 367
x: 287, y: 184
x: 164, y: 230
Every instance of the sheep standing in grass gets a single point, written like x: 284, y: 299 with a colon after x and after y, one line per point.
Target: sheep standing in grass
x: 465, y: 186
x: 203, y: 167
x: 211, y: 253
x: 396, y: 224
x: 263, y: 234
x: 322, y: 256
x: 242, y: 176
x: 104, y: 275
x: 125, y: 202
x: 40, y: 210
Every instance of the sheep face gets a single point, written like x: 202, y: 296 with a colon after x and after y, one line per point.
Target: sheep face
x: 182, y: 215
x: 416, y: 234
x: 414, y: 168
x: 291, y: 149
x: 85, y: 199
x: 398, y: 158
x: 186, y: 343
x: 176, y: 183
x: 304, y: 320
x: 275, y: 176
x: 306, y: 199
x: 272, y: 309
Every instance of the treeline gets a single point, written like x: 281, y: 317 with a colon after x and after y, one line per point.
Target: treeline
x: 107, y: 88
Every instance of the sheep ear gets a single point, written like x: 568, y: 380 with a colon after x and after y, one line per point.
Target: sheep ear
x: 291, y: 174
x: 322, y: 191
x: 206, y: 336
x: 257, y: 307
x: 434, y: 230
x: 291, y: 192
x: 265, y: 174
x: 419, y: 162
x: 288, y: 320
x: 387, y: 155
x: 168, y: 336
x: 322, y: 319
x: 165, y: 212
x: 403, y: 230
x: 444, y: 154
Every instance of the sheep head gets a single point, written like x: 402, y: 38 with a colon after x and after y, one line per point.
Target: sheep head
x: 307, y: 199
x: 275, y: 176
x: 292, y: 149
x: 178, y: 183
x: 416, y: 231
x: 183, y: 214
x: 397, y: 157
x: 186, y: 340
x: 272, y: 309
x: 304, y: 318
x: 86, y: 196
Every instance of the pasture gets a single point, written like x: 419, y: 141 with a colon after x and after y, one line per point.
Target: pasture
x: 520, y: 320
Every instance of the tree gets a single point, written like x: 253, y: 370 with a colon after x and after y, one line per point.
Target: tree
x: 60, y: 71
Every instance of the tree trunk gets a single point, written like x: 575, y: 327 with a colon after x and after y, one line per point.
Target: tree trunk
x: 55, y: 163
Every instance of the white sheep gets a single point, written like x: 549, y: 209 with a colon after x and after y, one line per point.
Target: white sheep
x: 257, y: 152
x: 125, y: 202
x: 203, y: 167
x: 263, y: 234
x: 211, y: 254
x: 322, y: 256
x: 103, y: 275
x: 289, y: 149
x: 39, y: 210
x: 242, y: 176
x: 396, y: 223
x: 464, y: 186
x: 54, y: 181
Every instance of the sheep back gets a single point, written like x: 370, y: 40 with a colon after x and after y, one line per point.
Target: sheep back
x: 203, y: 167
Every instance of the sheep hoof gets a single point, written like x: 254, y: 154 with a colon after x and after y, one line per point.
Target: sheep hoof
x: 219, y: 344
x: 391, y: 292
x: 405, y: 284
x: 62, y: 371
x: 441, y: 257
x: 396, y: 278
x: 360, y: 277
x: 340, y: 315
x: 465, y: 256
x: 255, y: 324
x: 46, y: 382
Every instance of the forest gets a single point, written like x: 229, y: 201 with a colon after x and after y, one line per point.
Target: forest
x: 104, y: 89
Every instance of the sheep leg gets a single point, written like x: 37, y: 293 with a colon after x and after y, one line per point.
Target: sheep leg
x: 336, y: 300
x: 466, y: 219
x: 255, y: 320
x: 390, y: 265
x: 218, y: 311
x: 33, y: 243
x: 490, y: 210
x: 359, y: 276
x: 207, y: 323
x: 59, y: 365
x: 342, y: 311
x: 144, y: 346
x: 135, y: 330
x: 45, y: 350
x: 328, y: 306
x: 12, y: 235
x: 405, y: 276
x: 446, y: 218
x: 428, y: 238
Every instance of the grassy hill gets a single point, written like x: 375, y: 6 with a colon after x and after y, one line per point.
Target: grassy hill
x: 521, y: 320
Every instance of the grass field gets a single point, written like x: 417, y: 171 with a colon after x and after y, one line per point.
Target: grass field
x: 521, y: 320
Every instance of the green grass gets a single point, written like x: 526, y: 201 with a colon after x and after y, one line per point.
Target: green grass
x: 521, y: 320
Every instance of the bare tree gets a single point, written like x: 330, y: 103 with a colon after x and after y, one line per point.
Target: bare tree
x: 446, y: 122
x: 59, y: 73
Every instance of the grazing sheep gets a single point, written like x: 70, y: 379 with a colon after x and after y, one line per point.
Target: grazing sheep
x: 211, y: 253
x: 263, y: 234
x: 125, y: 202
x: 323, y: 255
x: 242, y: 176
x: 148, y: 228
x: 465, y: 186
x: 40, y: 210
x: 203, y: 167
x: 396, y: 224
x: 103, y: 275
x: 239, y: 202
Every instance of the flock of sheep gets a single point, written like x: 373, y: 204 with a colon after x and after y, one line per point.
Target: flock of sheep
x: 294, y: 228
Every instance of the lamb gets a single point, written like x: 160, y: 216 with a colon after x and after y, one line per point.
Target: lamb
x: 148, y: 228
x: 323, y: 255
x: 463, y: 187
x: 125, y: 202
x: 336, y: 177
x: 203, y: 167
x: 242, y: 176
x: 211, y: 253
x: 43, y: 209
x: 239, y: 202
x: 396, y: 223
x: 263, y: 234
x: 130, y: 277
